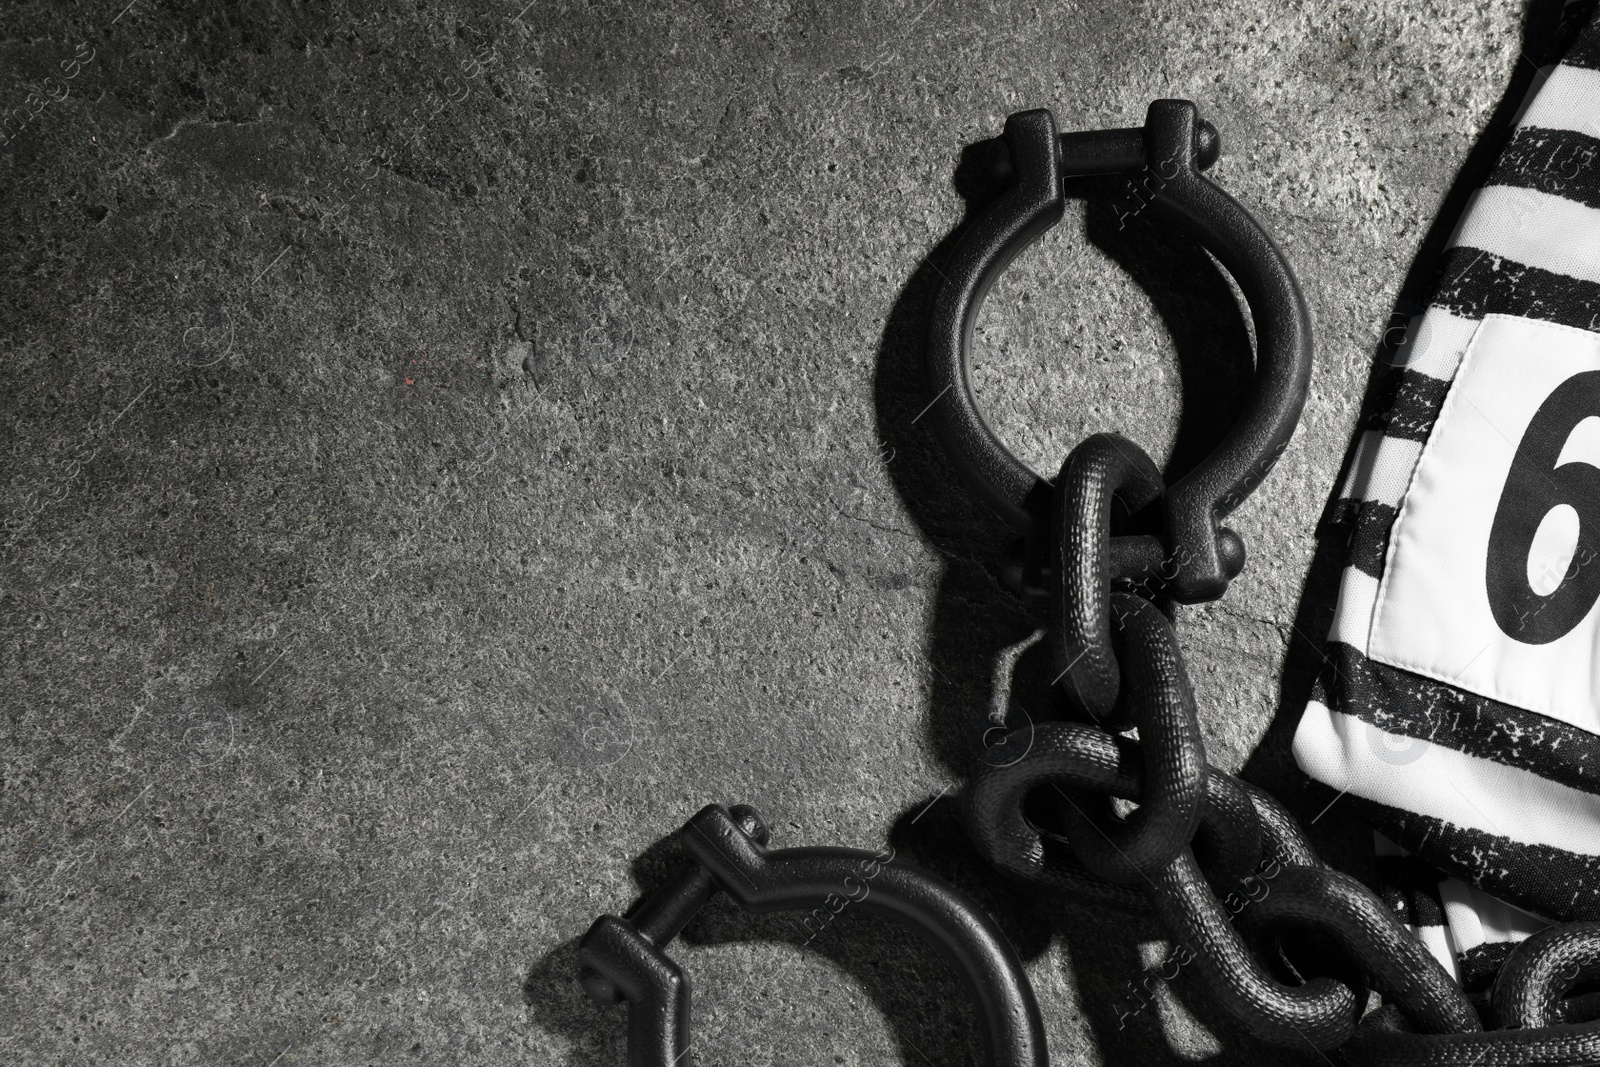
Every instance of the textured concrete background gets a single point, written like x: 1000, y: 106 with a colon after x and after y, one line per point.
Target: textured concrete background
x: 446, y: 445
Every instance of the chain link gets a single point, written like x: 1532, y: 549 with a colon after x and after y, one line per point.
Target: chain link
x: 1296, y: 964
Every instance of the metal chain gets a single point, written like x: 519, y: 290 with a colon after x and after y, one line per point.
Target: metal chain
x: 1200, y: 837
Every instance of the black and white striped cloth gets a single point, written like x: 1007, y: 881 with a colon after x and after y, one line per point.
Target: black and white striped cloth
x: 1504, y: 800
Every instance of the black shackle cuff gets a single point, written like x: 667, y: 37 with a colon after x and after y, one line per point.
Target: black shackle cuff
x: 1168, y: 152
x: 625, y: 958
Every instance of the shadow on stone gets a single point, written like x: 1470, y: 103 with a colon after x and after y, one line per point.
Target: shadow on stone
x: 597, y: 1037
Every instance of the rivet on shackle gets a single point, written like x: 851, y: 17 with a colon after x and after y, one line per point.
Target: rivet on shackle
x: 1196, y: 556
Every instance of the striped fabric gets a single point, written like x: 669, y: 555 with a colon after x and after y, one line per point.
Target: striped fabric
x: 1504, y: 802
x: 1469, y: 931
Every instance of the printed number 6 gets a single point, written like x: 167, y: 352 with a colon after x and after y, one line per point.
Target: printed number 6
x: 1534, y: 487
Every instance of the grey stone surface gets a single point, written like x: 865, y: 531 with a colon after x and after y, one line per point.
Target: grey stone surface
x: 447, y: 445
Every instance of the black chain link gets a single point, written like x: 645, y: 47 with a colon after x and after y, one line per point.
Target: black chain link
x: 1295, y: 966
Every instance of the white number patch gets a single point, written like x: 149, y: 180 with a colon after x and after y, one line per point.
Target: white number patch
x: 1493, y: 574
